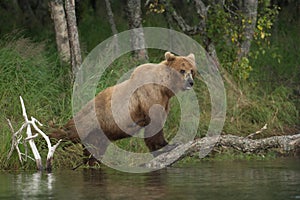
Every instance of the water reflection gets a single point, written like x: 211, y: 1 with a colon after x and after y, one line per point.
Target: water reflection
x: 111, y: 184
x: 34, y: 186
x: 274, y: 180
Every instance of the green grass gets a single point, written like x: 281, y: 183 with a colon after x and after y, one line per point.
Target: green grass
x: 26, y: 70
x: 46, y: 92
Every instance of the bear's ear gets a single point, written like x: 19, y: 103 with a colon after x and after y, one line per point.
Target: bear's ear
x: 169, y: 56
x: 191, y: 56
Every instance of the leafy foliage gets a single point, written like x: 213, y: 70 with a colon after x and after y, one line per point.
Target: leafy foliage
x: 227, y: 26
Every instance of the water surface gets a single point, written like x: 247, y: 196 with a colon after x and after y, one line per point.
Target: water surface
x: 275, y: 179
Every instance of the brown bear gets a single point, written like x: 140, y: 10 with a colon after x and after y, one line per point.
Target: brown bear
x: 122, y: 110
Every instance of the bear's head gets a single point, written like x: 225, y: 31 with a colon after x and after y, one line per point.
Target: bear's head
x: 184, y: 69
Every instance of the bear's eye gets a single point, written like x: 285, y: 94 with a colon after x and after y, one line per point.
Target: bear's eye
x: 182, y: 71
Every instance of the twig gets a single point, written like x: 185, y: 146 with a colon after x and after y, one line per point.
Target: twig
x: 10, y: 126
x: 15, y: 143
x: 258, y: 132
x: 25, y: 155
x: 191, y: 30
x: 31, y: 137
x: 227, y: 8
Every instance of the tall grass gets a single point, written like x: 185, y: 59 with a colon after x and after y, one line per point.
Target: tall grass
x: 27, y: 71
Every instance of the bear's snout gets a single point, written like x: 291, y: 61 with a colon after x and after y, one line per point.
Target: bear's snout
x: 189, y: 83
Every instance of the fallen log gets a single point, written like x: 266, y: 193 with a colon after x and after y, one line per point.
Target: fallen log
x: 204, y: 145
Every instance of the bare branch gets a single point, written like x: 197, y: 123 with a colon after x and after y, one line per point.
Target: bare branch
x: 228, y: 9
x: 51, y: 149
x: 15, y: 143
x: 10, y: 126
x: 32, y: 137
x: 258, y: 132
x: 13, y: 140
x: 25, y: 155
x: 17, y: 138
x: 186, y: 28
x: 32, y: 145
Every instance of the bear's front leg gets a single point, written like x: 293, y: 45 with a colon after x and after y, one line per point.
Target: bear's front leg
x: 156, y: 141
x: 95, y: 145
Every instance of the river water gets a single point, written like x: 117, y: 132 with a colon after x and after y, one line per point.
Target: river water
x: 273, y: 179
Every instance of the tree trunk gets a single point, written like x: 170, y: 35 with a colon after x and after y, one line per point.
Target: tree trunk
x: 111, y: 18
x: 137, y: 35
x: 289, y: 143
x: 249, y: 9
x: 73, y: 36
x: 61, y: 29
x: 112, y: 25
x: 27, y: 10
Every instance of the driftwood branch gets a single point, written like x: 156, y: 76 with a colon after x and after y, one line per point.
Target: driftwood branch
x: 258, y: 132
x: 17, y: 139
x: 244, y: 144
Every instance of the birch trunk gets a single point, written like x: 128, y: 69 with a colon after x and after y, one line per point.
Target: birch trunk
x: 111, y: 17
x: 73, y: 36
x: 113, y: 26
x: 249, y: 9
x: 137, y: 35
x: 61, y: 30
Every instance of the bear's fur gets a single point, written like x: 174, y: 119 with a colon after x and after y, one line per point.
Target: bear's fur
x: 147, y: 93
